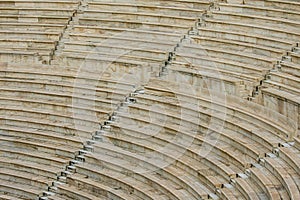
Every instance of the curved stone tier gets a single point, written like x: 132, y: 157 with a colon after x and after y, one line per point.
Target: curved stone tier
x: 144, y: 100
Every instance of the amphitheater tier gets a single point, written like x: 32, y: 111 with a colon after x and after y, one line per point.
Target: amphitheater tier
x: 142, y: 100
